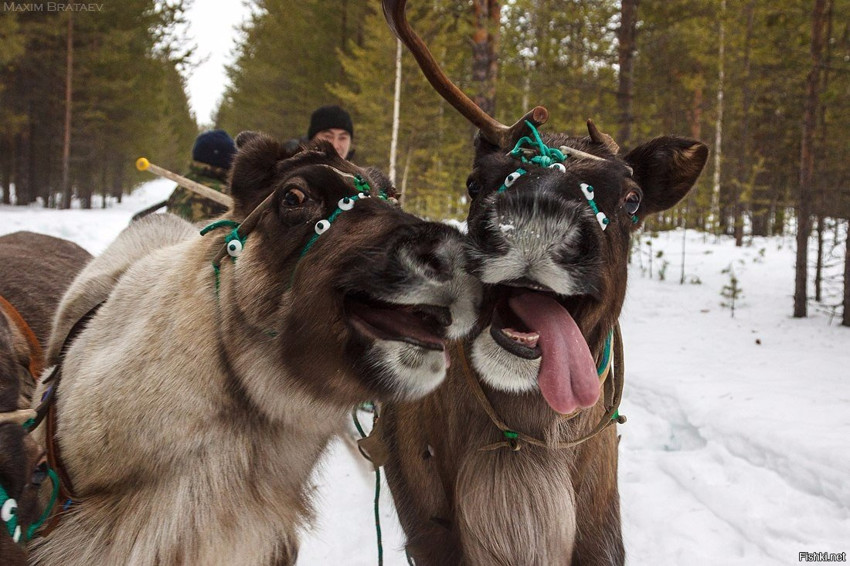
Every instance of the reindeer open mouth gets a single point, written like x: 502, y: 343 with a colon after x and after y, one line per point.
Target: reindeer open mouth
x: 421, y: 325
x: 532, y: 322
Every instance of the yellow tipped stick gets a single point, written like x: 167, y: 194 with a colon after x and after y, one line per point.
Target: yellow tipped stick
x: 142, y: 164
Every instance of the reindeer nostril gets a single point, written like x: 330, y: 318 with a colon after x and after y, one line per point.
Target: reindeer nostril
x: 436, y: 267
x: 433, y: 259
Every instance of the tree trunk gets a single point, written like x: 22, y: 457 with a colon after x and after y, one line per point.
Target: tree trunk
x: 714, y: 219
x: 819, y: 263
x: 626, y: 55
x: 485, y: 53
x: 66, y: 146
x: 745, y: 131
x: 821, y: 189
x: 845, y: 318
x: 804, y: 204
x: 396, y: 112
x: 7, y: 161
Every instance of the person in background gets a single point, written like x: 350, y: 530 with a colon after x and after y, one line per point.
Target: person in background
x: 332, y: 124
x: 212, y: 155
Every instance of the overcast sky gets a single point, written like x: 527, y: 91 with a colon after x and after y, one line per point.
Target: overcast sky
x: 212, y: 26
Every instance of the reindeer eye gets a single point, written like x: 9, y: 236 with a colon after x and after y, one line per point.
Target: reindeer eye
x: 234, y: 248
x: 632, y: 202
x: 322, y: 226
x: 293, y: 197
x: 345, y: 203
x: 39, y: 474
x: 472, y: 187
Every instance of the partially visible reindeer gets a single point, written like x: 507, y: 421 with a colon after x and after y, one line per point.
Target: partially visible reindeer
x: 36, y: 271
x: 196, y: 400
x: 512, y: 460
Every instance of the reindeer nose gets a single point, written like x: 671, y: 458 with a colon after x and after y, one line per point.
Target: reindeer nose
x: 433, y: 258
x: 433, y: 251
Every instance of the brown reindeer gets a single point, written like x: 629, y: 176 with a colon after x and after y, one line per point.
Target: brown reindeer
x: 37, y: 269
x: 511, y: 461
x: 197, y: 399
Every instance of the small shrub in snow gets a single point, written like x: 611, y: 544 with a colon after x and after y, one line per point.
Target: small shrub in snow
x: 731, y: 292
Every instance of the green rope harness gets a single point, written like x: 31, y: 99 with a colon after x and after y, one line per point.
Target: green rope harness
x: 234, y: 242
x: 344, y: 204
x: 9, y: 511
x: 377, y: 486
x: 552, y: 158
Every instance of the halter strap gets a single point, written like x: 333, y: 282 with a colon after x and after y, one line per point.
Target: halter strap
x: 612, y: 392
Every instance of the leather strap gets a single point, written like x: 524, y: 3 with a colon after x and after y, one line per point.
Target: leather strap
x: 36, y: 364
x: 47, y: 412
x: 612, y: 395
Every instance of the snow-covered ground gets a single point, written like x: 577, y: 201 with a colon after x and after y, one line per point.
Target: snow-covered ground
x: 736, y: 447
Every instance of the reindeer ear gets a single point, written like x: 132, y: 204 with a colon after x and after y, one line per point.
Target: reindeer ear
x: 666, y: 168
x: 253, y: 170
x: 246, y: 136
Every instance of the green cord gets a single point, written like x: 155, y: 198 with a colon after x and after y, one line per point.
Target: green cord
x: 547, y: 155
x: 46, y: 513
x: 377, y: 488
x: 12, y: 524
x: 219, y: 224
x: 606, y: 354
x: 378, y: 516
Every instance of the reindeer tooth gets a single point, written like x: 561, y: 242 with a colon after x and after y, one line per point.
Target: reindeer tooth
x: 525, y: 338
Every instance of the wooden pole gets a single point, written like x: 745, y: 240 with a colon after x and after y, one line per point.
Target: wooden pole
x: 143, y: 164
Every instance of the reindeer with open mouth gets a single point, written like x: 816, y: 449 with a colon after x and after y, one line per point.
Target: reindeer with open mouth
x: 198, y: 396
x: 513, y: 460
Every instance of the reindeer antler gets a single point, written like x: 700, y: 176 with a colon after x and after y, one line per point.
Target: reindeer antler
x: 493, y: 131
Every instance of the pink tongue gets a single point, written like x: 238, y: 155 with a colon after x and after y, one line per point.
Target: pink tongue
x: 567, y: 377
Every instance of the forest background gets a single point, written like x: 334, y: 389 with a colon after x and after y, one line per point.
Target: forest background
x: 766, y: 84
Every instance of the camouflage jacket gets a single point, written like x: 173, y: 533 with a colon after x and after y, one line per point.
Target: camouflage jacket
x: 192, y: 206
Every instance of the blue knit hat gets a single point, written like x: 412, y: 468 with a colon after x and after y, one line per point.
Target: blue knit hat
x: 214, y: 148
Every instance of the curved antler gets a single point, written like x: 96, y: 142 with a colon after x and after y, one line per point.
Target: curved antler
x: 493, y: 131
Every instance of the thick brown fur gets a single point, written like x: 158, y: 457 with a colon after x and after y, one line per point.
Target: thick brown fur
x: 37, y: 269
x: 193, y: 407
x: 537, y: 506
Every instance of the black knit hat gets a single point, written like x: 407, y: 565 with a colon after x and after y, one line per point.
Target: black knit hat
x: 214, y: 148
x: 328, y: 117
